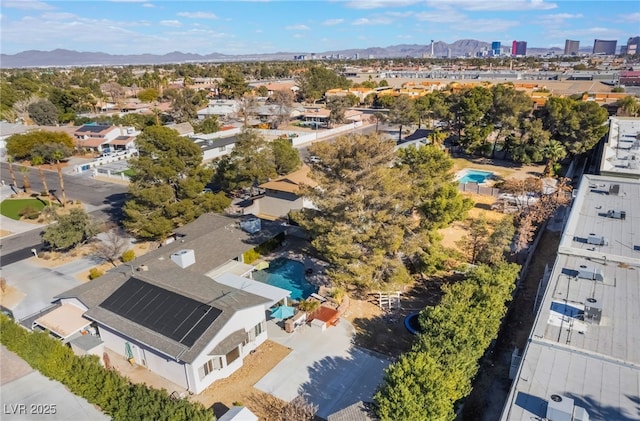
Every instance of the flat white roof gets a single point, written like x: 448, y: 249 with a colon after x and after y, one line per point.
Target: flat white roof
x: 593, y: 360
x: 270, y: 292
x: 621, y: 154
x: 232, y: 266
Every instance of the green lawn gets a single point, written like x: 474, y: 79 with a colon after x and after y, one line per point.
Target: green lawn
x: 11, y: 208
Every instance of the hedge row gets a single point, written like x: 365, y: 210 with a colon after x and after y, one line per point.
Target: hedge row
x: 85, y: 377
x: 428, y: 381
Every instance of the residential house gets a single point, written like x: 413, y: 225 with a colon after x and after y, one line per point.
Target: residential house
x: 105, y: 138
x: 183, y: 129
x: 317, y: 116
x: 223, y: 108
x: 281, y: 195
x: 166, y: 312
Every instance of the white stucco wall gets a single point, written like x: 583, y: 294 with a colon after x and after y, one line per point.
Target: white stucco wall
x: 245, y: 319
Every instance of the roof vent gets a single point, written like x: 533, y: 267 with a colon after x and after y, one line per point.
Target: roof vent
x: 143, y: 268
x: 592, y: 311
x: 560, y: 408
x: 184, y: 258
x: 556, y: 398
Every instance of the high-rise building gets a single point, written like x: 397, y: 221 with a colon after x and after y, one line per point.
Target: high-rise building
x: 633, y: 45
x: 571, y: 47
x: 519, y: 48
x: 606, y: 47
x: 496, y: 48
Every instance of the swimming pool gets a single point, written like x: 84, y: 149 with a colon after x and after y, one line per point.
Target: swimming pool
x: 287, y: 274
x: 474, y: 176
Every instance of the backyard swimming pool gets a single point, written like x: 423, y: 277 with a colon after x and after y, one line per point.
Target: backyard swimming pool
x: 287, y: 274
x: 474, y: 176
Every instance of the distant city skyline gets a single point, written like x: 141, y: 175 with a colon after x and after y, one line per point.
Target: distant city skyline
x: 256, y: 27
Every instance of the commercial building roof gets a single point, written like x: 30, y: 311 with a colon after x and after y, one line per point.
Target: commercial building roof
x: 621, y: 154
x: 584, y: 347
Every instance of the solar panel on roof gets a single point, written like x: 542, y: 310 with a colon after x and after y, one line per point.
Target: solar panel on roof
x: 170, y: 314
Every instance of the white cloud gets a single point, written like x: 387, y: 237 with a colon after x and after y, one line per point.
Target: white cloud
x: 197, y: 15
x: 493, y: 5
x: 27, y: 5
x: 376, y: 4
x: 586, y: 33
x: 298, y: 36
x: 558, y: 18
x: 380, y: 20
x: 331, y: 22
x: 58, y: 16
x: 485, y: 25
x: 174, y: 23
x: 298, y: 27
x: 631, y: 17
x: 438, y: 17
x: 148, y: 5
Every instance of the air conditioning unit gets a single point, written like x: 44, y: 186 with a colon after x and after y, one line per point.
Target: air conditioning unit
x: 592, y: 310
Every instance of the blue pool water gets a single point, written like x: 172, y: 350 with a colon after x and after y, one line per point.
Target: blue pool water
x: 475, y: 176
x: 286, y: 274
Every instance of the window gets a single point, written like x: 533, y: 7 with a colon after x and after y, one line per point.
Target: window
x: 211, y: 365
x: 258, y: 329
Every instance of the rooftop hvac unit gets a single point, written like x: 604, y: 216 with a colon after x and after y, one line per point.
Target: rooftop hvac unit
x: 597, y: 240
x: 251, y: 225
x: 589, y: 273
x: 592, y: 310
x: 560, y: 408
x: 617, y: 214
x: 184, y: 258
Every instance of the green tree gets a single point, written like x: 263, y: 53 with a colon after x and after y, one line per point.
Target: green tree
x: 207, y: 125
x: 21, y: 146
x: 337, y: 107
x: 184, y: 103
x: 401, y: 113
x: 527, y: 143
x: 509, y: 107
x: 426, y: 383
x: 44, y: 113
x: 362, y: 226
x: 629, y: 106
x: 262, y: 91
x: 317, y: 80
x: 498, y: 244
x: 166, y: 188
x: 233, y: 85
x: 434, y: 193
x: 251, y: 162
x: 148, y: 95
x: 71, y: 230
x: 579, y: 125
x: 553, y: 151
x: 282, y: 101
x: 286, y: 157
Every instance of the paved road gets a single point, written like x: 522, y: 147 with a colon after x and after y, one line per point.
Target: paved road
x: 102, y: 200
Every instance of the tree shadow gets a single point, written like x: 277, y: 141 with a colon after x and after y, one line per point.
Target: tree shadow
x: 338, y: 382
x: 599, y: 411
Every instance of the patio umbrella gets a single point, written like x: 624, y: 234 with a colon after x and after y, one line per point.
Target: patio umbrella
x: 282, y: 312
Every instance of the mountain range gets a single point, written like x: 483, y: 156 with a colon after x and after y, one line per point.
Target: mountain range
x: 61, y: 57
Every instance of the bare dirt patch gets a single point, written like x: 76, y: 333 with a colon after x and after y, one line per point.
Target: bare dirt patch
x: 4, y: 233
x: 11, y: 296
x: 238, y: 388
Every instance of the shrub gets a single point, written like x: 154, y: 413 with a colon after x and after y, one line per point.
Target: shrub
x: 338, y: 294
x: 95, y: 273
x: 85, y: 377
x: 309, y: 305
x: 250, y: 256
x: 29, y: 213
x: 128, y: 256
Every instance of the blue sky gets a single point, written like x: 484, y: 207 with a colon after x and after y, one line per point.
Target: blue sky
x: 302, y: 26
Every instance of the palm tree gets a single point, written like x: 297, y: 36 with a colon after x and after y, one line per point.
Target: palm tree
x: 25, y: 179
x: 39, y: 161
x: 554, y: 151
x: 58, y: 155
x: 10, y: 160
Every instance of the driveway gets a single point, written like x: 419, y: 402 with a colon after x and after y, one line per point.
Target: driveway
x: 28, y: 395
x: 324, y: 367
